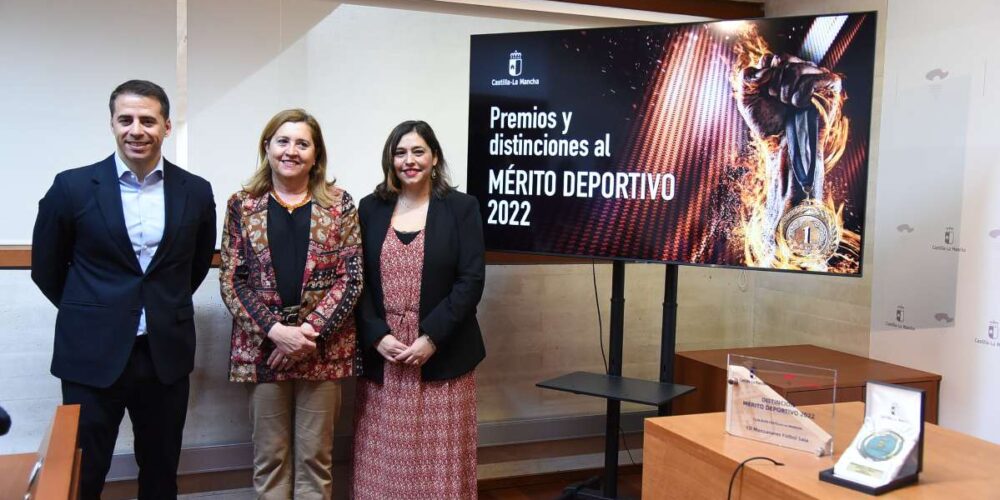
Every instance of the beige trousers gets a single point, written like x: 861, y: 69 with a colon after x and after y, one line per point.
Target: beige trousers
x: 293, y: 438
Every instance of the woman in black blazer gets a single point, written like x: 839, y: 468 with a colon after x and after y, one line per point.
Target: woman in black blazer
x: 415, y: 424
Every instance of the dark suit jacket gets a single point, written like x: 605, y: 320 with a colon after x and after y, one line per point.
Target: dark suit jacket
x: 82, y: 260
x: 451, y: 284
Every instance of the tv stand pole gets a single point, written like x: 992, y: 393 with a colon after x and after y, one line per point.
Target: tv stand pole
x: 615, y: 388
x: 668, y: 332
x: 616, y: 337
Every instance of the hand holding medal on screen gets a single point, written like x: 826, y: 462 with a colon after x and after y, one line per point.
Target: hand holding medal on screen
x: 783, y: 102
x: 792, y: 107
x: 777, y: 87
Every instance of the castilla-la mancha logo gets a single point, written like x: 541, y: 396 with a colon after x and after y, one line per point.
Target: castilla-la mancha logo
x: 950, y: 241
x: 900, y: 319
x: 515, y: 67
x: 516, y: 64
x: 992, y: 338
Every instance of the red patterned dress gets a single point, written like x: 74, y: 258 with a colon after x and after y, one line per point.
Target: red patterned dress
x: 412, y: 439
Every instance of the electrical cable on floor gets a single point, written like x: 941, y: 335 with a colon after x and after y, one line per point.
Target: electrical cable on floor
x: 732, y: 478
x: 627, y: 449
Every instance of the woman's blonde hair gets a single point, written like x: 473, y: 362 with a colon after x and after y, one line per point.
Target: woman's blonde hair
x: 261, y: 183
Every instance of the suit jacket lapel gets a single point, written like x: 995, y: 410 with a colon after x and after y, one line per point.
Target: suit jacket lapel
x: 433, y: 227
x: 109, y: 199
x: 435, y: 210
x: 175, y: 200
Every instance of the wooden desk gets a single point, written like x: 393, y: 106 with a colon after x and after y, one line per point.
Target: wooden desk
x: 14, y: 470
x: 692, y: 457
x: 706, y: 370
x: 59, y: 477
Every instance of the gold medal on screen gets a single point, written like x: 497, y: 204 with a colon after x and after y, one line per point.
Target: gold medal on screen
x: 810, y: 230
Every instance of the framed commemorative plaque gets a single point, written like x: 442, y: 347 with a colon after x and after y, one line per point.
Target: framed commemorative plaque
x: 755, y: 410
x: 887, y: 452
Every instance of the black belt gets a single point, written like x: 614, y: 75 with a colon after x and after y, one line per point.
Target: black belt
x: 289, y: 315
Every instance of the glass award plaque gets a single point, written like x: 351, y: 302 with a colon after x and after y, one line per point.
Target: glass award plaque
x: 887, y: 452
x: 758, y: 407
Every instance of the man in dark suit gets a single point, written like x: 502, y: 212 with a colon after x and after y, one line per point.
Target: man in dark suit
x: 119, y: 247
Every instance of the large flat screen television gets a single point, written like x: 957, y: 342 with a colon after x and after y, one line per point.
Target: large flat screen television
x: 733, y: 143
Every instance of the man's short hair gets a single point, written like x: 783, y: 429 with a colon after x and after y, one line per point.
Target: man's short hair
x: 142, y: 88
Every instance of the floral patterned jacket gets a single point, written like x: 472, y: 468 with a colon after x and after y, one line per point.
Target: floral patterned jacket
x: 331, y: 286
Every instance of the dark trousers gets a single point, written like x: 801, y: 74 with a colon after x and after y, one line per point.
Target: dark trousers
x: 157, y: 412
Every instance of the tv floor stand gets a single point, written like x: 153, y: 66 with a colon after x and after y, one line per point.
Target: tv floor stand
x: 615, y: 388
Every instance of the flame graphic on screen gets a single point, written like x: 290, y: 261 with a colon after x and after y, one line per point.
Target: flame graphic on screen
x: 686, y: 120
x: 763, y: 159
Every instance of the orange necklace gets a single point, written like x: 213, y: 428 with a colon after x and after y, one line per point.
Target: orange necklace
x: 290, y: 206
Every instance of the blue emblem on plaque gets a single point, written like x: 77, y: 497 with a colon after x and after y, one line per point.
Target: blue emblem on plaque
x: 881, y: 446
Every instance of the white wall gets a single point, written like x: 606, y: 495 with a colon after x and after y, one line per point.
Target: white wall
x: 934, y: 166
x: 939, y: 169
x: 361, y: 69
x: 61, y: 60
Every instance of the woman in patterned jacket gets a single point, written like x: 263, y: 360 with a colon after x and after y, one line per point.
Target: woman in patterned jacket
x: 291, y: 275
